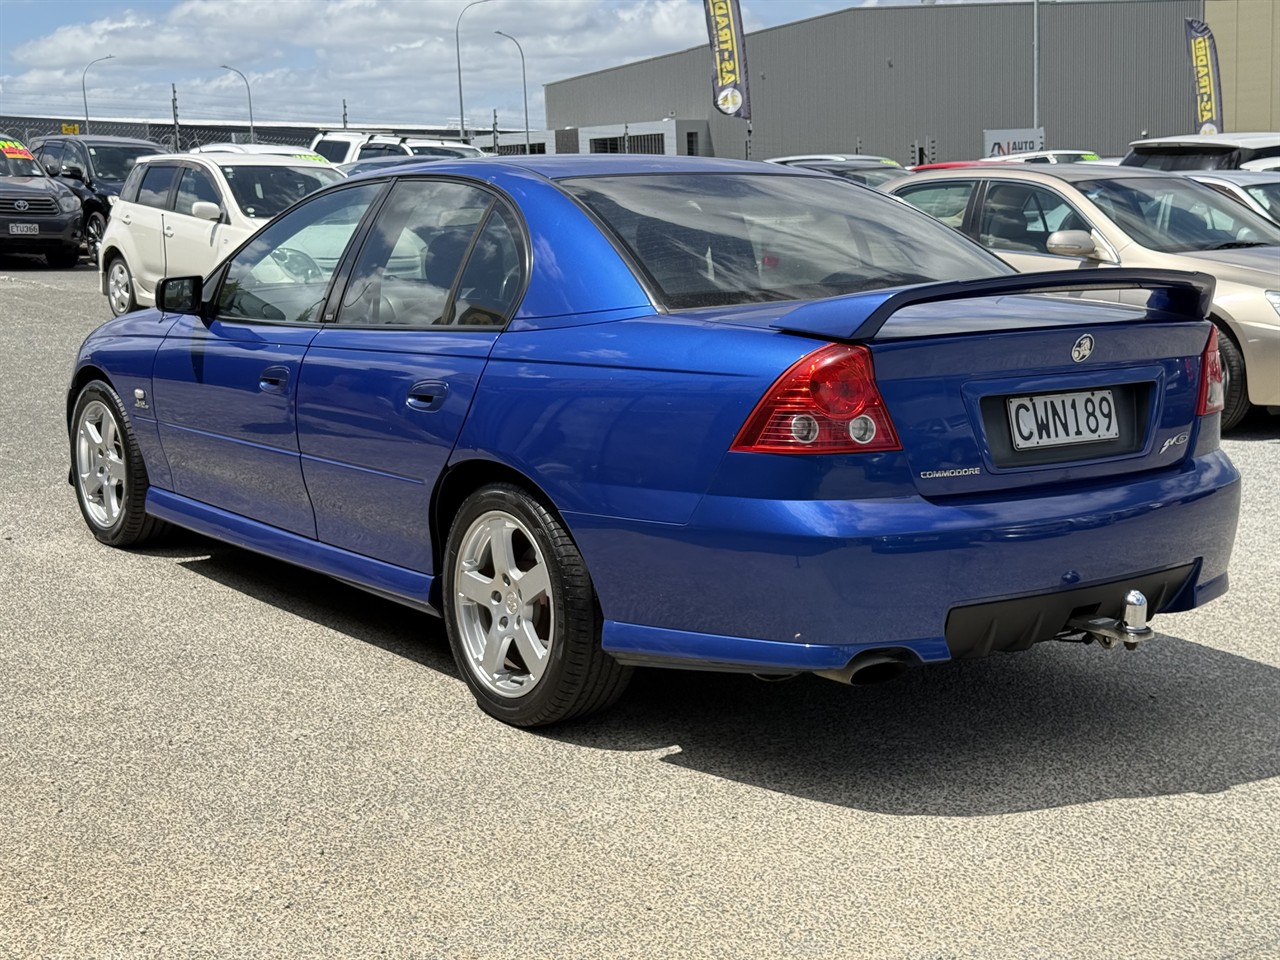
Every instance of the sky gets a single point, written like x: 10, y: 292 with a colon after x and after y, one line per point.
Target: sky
x: 393, y: 61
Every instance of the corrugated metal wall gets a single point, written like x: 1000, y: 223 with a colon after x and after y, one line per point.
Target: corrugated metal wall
x: 1110, y: 70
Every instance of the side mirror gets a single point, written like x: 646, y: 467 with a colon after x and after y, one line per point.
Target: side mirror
x: 73, y: 172
x: 1070, y: 243
x: 52, y: 169
x: 179, y: 295
x: 206, y: 210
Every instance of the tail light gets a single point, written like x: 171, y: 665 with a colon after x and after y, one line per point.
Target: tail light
x: 827, y: 402
x: 1213, y: 389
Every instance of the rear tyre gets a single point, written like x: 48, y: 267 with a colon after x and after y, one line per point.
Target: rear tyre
x: 1236, y: 387
x: 120, y: 287
x: 521, y: 613
x: 110, y: 477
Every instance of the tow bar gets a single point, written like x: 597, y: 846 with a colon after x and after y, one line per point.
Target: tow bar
x: 1131, y: 630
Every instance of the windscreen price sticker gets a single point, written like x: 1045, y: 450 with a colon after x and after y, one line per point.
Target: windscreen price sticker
x: 15, y: 150
x: 1056, y: 419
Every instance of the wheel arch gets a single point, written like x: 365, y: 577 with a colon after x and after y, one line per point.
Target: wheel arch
x: 85, y: 375
x: 457, y: 483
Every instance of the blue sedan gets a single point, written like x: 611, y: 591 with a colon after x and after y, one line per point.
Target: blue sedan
x: 608, y: 412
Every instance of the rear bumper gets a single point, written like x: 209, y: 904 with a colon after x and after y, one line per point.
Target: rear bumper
x: 803, y: 585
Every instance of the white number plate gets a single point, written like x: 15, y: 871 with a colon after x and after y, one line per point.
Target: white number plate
x: 1057, y: 419
x: 24, y: 228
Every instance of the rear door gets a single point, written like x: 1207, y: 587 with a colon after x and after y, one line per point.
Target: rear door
x: 144, y: 219
x: 224, y: 388
x: 385, y: 388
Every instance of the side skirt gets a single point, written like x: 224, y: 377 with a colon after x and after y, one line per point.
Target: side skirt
x: 384, y: 579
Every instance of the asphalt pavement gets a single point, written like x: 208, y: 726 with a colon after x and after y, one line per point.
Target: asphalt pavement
x: 205, y: 753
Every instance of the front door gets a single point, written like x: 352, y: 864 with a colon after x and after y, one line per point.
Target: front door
x: 224, y: 388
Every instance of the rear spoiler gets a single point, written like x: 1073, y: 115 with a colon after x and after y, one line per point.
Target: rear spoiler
x: 859, y: 316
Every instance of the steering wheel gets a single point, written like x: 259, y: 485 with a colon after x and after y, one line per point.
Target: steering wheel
x: 297, y: 264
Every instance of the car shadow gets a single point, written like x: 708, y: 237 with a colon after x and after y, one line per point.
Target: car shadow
x: 1059, y: 725
x: 1257, y: 424
x: 398, y: 629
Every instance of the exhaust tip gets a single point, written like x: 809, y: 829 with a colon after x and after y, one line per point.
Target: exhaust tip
x: 869, y: 668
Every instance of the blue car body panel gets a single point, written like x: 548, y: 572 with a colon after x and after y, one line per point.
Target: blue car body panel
x: 622, y: 416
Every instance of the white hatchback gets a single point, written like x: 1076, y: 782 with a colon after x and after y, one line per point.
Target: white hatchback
x: 180, y: 214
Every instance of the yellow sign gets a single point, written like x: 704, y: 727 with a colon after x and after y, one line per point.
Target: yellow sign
x: 71, y: 128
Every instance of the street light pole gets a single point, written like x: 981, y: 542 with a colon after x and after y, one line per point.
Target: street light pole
x: 524, y: 85
x: 457, y: 49
x: 83, y: 92
x: 249, y: 90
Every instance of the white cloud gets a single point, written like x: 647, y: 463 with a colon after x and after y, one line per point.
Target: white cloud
x: 393, y: 60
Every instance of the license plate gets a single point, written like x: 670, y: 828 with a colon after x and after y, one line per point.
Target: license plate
x: 24, y: 228
x: 1057, y: 419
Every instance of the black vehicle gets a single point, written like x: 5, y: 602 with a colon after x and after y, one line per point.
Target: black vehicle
x: 94, y: 167
x: 37, y: 213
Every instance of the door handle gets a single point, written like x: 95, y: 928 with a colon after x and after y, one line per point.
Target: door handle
x: 126, y: 219
x: 427, y: 395
x: 274, y: 380
x: 168, y: 231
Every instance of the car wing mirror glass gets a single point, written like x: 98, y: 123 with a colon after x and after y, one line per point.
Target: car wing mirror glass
x: 1070, y: 243
x: 179, y: 295
x: 206, y: 210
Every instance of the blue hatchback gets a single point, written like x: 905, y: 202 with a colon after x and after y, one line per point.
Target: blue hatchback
x: 602, y: 412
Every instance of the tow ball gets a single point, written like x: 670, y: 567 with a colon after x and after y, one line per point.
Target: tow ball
x: 1131, y: 629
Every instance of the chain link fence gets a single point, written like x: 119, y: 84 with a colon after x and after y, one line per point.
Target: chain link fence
x: 184, y: 138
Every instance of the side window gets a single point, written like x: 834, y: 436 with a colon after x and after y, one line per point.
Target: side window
x: 1003, y: 222
x: 156, y: 181
x: 335, y: 151
x: 129, y: 192
x: 379, y: 150
x: 282, y: 275
x: 1047, y: 211
x: 50, y: 156
x: 408, y: 271
x: 74, y: 156
x: 942, y: 201
x: 493, y: 276
x: 195, y: 185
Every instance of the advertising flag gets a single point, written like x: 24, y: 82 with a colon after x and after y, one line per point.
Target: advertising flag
x: 729, y: 85
x: 1206, y: 86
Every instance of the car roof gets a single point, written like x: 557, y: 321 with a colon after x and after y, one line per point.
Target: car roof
x: 560, y: 166
x: 868, y: 158
x: 1069, y: 172
x: 239, y: 159
x: 1254, y: 139
x: 103, y: 139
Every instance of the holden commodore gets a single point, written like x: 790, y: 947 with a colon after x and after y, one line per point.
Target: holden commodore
x: 608, y: 412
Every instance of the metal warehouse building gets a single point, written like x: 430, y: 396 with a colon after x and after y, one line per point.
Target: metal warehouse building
x: 924, y: 81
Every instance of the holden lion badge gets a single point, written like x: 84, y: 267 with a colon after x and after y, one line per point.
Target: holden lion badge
x: 1082, y: 349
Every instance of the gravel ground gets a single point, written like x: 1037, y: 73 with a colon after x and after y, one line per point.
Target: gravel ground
x: 204, y: 753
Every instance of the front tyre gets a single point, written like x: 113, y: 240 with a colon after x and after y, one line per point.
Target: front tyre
x: 521, y: 613
x: 110, y: 477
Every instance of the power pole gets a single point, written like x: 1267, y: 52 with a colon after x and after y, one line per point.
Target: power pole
x: 495, y: 132
x: 176, y: 142
x: 344, y: 113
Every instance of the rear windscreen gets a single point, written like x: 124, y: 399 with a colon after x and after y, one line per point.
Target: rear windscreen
x: 716, y: 239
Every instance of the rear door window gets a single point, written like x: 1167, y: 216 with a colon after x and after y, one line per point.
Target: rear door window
x: 942, y: 201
